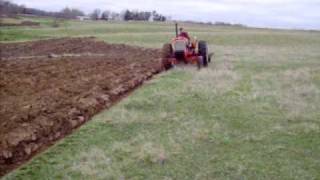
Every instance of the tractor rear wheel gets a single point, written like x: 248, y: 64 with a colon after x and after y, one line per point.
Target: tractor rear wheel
x: 166, y: 54
x: 203, y: 51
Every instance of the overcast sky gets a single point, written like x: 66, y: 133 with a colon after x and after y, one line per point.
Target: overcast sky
x: 301, y: 14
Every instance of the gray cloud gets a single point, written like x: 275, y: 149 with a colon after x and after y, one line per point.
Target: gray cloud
x: 260, y: 13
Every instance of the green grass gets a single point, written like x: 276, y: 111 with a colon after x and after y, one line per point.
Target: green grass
x: 253, y: 114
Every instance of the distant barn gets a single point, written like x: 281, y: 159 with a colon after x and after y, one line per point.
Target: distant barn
x: 82, y: 18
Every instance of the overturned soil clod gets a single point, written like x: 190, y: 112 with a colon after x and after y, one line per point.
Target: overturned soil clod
x: 50, y: 87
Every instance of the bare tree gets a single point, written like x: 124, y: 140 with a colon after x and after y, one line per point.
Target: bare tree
x: 95, y: 15
x: 106, y: 15
x: 70, y: 13
x: 115, y: 16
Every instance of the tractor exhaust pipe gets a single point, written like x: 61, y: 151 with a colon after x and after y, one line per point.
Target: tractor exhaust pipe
x: 176, y: 29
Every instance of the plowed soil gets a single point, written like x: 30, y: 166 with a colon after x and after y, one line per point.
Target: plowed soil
x: 23, y: 23
x: 50, y: 87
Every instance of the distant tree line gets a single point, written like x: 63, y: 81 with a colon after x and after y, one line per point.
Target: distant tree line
x: 106, y: 15
x: 10, y: 9
x: 127, y: 15
x: 143, y: 16
x: 219, y: 23
x: 69, y: 13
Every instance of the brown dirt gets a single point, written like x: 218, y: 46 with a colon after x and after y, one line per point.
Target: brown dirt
x: 45, y: 94
x: 23, y: 23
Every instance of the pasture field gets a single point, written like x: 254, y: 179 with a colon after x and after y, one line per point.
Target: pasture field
x: 254, y: 113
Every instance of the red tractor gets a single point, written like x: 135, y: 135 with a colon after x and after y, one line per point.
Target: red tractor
x: 181, y: 49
